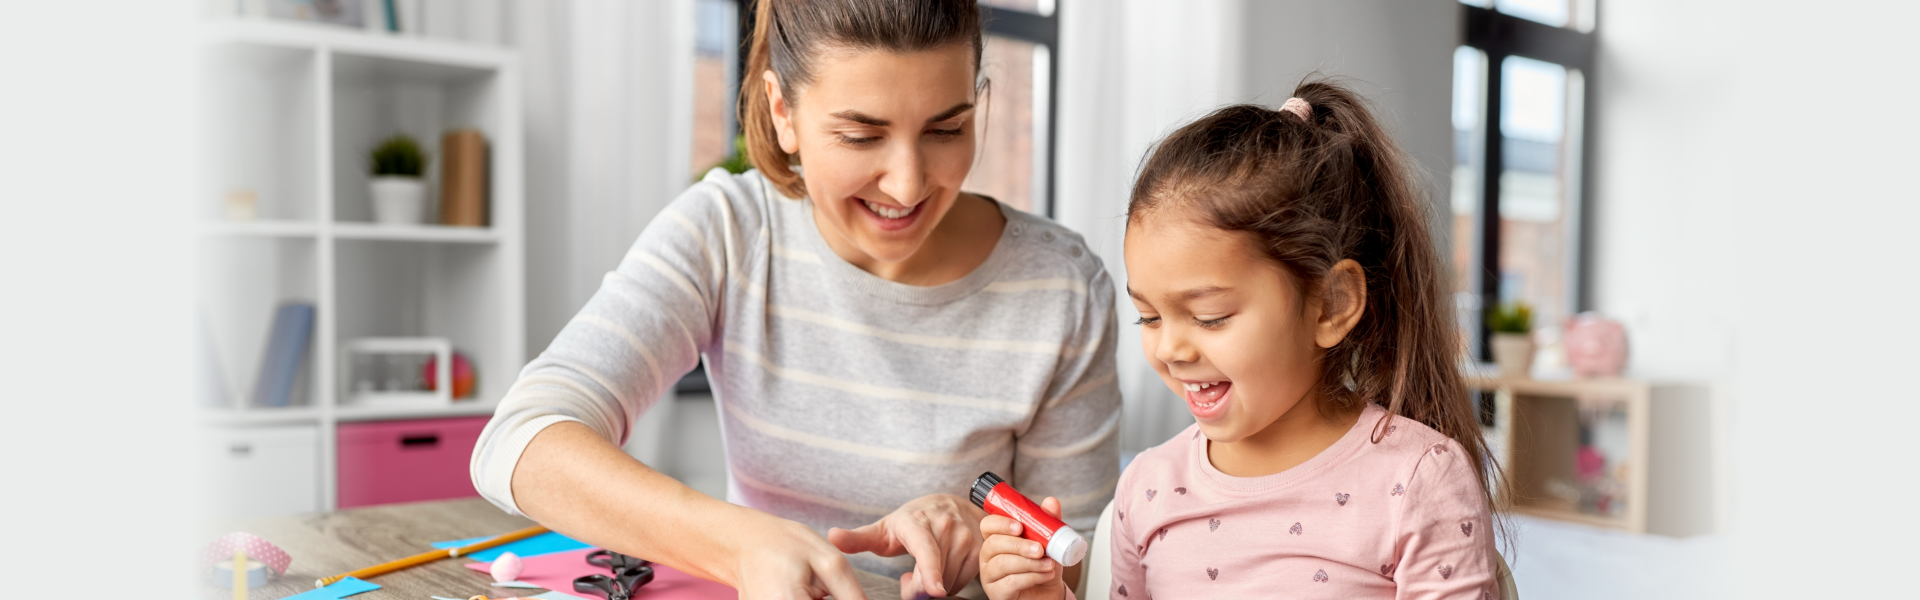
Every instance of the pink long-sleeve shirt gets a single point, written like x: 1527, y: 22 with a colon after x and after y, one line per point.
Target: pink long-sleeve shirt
x: 1401, y: 518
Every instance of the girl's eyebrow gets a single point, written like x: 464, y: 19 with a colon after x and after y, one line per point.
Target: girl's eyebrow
x: 1191, y: 294
x: 873, y: 121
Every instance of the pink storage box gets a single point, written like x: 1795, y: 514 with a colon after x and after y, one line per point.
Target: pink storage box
x: 406, y: 461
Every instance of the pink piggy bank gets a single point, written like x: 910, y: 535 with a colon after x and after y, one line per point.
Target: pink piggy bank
x: 1596, y: 346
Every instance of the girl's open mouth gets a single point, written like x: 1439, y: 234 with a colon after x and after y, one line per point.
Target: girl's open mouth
x: 1207, y: 399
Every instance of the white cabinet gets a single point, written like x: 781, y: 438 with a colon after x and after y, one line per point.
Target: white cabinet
x: 262, y: 471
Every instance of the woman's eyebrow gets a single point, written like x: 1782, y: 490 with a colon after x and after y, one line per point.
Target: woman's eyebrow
x: 873, y: 121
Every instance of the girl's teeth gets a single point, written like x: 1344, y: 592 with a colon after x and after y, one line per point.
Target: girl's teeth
x: 891, y: 213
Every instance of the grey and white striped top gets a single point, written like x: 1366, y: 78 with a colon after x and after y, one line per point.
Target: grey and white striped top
x: 843, y: 395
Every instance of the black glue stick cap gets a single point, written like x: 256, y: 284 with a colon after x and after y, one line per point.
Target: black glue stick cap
x: 982, y: 487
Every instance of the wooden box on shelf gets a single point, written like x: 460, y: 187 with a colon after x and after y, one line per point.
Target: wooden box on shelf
x: 1617, y: 453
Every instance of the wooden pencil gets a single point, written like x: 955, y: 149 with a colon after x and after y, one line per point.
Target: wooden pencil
x: 427, y: 557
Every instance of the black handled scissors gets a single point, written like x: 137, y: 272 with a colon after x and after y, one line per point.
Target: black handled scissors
x: 615, y: 561
x: 621, y: 586
x: 629, y: 573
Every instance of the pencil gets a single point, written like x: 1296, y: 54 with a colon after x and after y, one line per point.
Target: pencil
x: 427, y: 557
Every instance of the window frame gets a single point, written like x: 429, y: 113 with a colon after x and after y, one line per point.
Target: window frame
x: 1499, y: 35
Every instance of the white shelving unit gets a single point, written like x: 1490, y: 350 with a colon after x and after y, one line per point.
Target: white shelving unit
x: 291, y: 111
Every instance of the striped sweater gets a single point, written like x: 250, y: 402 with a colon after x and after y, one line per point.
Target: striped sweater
x: 842, y: 395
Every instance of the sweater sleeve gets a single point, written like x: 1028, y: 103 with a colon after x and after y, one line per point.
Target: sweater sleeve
x: 1070, y: 450
x: 638, y: 334
x: 1446, y: 534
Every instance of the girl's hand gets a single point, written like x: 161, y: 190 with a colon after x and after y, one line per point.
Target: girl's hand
x: 788, y: 561
x: 1016, y: 568
x: 938, y: 530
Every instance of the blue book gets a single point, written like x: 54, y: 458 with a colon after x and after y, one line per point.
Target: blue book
x: 286, y: 352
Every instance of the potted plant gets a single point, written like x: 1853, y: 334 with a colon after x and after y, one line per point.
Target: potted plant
x: 1512, y: 325
x: 399, y: 190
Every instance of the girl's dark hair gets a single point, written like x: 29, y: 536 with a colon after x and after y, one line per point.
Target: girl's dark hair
x: 788, y: 35
x: 1310, y: 193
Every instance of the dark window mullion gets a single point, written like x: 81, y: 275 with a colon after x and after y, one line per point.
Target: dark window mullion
x: 1492, y: 162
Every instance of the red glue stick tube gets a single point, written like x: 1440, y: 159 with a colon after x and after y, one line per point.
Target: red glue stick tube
x: 1064, y: 545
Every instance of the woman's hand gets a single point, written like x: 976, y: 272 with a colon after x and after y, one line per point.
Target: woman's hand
x: 788, y: 561
x: 940, y: 531
x: 1016, y: 568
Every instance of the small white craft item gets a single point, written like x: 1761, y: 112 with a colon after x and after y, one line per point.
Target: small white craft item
x: 507, y: 567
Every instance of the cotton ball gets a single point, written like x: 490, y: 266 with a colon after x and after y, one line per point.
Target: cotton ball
x: 507, y: 567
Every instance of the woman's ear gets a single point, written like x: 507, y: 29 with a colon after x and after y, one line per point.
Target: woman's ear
x: 1343, y: 299
x: 782, y: 119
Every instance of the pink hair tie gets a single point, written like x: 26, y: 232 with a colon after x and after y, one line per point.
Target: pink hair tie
x: 1299, y: 108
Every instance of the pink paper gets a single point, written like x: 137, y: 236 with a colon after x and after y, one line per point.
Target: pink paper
x: 557, y: 571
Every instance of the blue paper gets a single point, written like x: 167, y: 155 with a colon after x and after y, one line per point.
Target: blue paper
x: 339, y: 589
x: 545, y: 543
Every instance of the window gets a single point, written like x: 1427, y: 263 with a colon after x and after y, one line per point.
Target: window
x: 1520, y: 95
x: 716, y: 80
x: 1015, y: 163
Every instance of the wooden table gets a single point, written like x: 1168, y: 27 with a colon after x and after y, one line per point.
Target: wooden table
x: 333, y: 543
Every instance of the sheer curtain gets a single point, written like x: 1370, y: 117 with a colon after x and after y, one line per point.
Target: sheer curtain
x: 609, y: 106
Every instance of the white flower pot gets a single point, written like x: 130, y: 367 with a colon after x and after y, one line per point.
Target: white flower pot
x: 1514, y: 353
x: 399, y: 200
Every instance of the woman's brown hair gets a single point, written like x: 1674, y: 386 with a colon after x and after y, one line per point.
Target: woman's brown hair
x: 788, y: 35
x: 1310, y: 193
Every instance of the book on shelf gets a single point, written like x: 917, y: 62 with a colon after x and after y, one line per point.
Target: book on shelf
x: 285, y: 356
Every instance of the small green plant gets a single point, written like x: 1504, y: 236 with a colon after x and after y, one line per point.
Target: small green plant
x: 1511, y: 317
x: 738, y: 163
x: 399, y: 155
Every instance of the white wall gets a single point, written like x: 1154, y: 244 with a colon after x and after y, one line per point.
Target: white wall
x: 1757, y: 220
x: 1133, y: 70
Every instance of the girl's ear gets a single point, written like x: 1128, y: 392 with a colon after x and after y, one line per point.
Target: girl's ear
x: 1343, y: 299
x: 782, y: 118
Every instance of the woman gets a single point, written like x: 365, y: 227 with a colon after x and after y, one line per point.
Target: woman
x: 876, y: 338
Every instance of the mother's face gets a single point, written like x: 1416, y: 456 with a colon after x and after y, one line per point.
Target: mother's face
x: 885, y: 141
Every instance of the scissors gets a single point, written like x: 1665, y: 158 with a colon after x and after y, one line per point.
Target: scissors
x: 629, y: 574
x: 615, y: 561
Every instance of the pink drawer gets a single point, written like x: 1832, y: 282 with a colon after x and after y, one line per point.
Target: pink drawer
x: 406, y: 461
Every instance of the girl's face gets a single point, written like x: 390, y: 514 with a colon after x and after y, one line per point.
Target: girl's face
x: 885, y: 141
x: 1228, y: 329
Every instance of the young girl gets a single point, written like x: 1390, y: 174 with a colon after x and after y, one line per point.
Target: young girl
x: 1290, y: 291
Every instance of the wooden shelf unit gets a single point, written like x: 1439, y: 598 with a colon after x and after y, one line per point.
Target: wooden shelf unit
x: 291, y: 111
x: 1663, y: 456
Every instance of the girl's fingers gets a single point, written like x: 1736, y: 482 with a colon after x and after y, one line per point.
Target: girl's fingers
x: 998, y: 525
x: 1051, y: 505
x: 1013, y: 583
x: 1007, y: 544
x: 1008, y: 565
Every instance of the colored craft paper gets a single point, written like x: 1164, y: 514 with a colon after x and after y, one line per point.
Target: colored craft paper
x: 545, y: 543
x: 558, y: 596
x: 339, y: 589
x: 557, y: 572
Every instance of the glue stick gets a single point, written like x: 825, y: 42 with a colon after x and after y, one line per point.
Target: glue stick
x: 1064, y: 545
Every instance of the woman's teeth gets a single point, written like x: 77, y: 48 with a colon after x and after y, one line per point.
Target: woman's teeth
x: 884, y: 211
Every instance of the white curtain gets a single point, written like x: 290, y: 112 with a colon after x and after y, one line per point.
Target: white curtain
x: 609, y: 106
